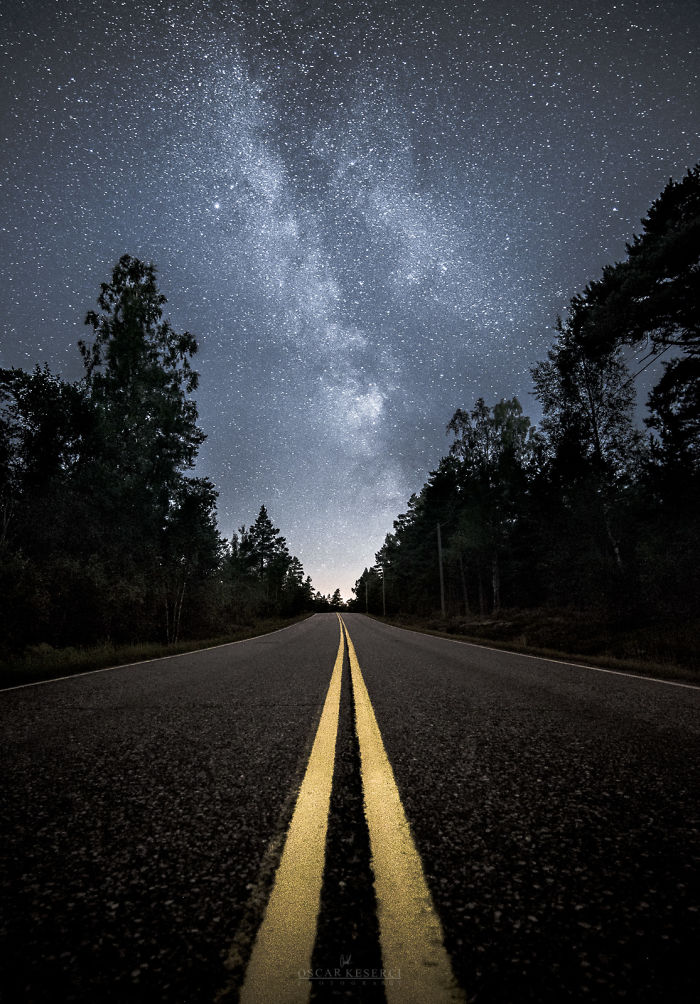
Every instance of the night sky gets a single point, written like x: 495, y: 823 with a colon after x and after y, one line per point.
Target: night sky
x: 368, y: 213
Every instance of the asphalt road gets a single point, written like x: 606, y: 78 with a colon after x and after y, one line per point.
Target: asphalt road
x: 555, y: 810
x: 138, y: 808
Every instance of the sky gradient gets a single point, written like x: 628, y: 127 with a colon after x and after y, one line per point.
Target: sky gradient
x: 369, y: 214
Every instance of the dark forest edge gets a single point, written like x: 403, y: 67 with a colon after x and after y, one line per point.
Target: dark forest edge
x: 106, y: 540
x: 42, y: 662
x: 574, y: 636
x: 583, y: 533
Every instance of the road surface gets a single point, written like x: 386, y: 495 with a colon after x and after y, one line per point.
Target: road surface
x: 354, y: 812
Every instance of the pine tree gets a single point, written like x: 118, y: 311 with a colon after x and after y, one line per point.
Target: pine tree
x: 139, y: 377
x: 492, y: 447
x: 654, y: 294
x: 131, y: 478
x: 262, y: 543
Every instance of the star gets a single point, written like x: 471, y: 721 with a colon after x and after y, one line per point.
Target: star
x: 406, y: 197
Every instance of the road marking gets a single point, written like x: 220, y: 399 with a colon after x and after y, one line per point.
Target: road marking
x: 410, y: 932
x: 146, y: 662
x: 545, y: 658
x: 285, y: 940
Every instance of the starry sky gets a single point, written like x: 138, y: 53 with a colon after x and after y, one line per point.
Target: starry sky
x: 369, y: 213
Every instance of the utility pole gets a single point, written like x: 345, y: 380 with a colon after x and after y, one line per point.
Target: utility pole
x: 442, y: 579
x: 366, y: 601
x: 383, y: 590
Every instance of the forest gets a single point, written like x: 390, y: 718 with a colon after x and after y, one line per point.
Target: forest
x: 105, y: 536
x: 589, y: 512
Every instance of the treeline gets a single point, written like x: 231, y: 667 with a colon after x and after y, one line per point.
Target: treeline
x: 104, y: 535
x: 588, y: 510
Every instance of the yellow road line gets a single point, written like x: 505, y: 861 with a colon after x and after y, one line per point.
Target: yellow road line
x: 286, y: 937
x: 409, y: 929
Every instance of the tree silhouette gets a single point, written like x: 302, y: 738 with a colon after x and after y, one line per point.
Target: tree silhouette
x: 262, y: 544
x: 653, y: 295
x: 139, y: 375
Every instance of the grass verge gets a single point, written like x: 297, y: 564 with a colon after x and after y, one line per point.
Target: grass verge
x: 669, y: 651
x: 42, y: 662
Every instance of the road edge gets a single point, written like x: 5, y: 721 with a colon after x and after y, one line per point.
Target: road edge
x: 554, y: 658
x: 158, y: 658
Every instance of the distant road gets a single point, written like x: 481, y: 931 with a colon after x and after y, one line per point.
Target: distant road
x: 552, y: 853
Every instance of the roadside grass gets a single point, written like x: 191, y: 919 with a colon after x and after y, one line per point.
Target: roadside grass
x: 663, y: 649
x: 42, y: 662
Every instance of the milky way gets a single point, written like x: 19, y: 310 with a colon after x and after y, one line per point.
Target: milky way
x: 369, y: 214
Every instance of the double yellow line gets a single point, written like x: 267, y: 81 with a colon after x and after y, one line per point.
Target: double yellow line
x: 410, y: 933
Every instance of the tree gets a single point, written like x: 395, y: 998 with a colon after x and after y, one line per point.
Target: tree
x: 368, y: 592
x: 42, y: 423
x: 674, y: 413
x: 295, y: 574
x: 103, y: 535
x: 142, y: 439
x: 653, y: 295
x: 587, y: 404
x: 262, y: 545
x: 190, y: 547
x: 652, y: 299
x: 586, y: 510
x: 296, y: 593
x: 138, y: 376
x: 262, y: 577
x: 492, y: 447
